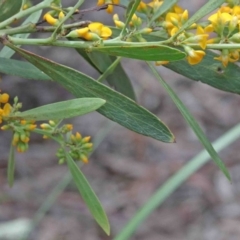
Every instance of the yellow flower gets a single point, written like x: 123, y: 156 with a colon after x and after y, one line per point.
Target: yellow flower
x: 4, y: 98
x: 101, y: 30
x: 200, y: 38
x: 117, y: 22
x: 93, y: 32
x: 220, y: 18
x: 142, y: 7
x: 159, y: 63
x: 174, y: 20
x: 50, y: 19
x: 155, y: 4
x: 227, y: 56
x: 135, y: 21
x: 110, y: 6
x: 236, y: 11
x: 194, y: 56
x: 225, y: 9
x: 5, y: 111
x: 178, y: 9
x: 219, y: 21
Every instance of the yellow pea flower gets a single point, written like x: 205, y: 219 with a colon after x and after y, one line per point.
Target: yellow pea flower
x: 194, y: 56
x: 110, y: 7
x: 200, y: 38
x: 118, y: 23
x: 227, y: 56
x: 50, y: 19
x: 4, y: 98
x: 93, y: 32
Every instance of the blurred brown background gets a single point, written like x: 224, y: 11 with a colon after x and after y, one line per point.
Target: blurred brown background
x: 126, y: 169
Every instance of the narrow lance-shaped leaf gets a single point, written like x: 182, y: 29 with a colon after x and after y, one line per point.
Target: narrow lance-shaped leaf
x: 118, y: 79
x: 193, y: 124
x: 8, y: 8
x: 11, y: 166
x: 88, y: 195
x: 62, y: 110
x: 147, y: 53
x: 22, y: 69
x: 174, y: 182
x: 117, y: 108
x: 211, y: 72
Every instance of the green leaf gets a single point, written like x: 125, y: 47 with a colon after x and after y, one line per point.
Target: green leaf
x: 7, y: 52
x: 88, y: 195
x: 62, y: 110
x: 167, y: 4
x: 11, y: 167
x: 147, y: 53
x: 8, y: 8
x: 211, y: 72
x: 131, y: 9
x: 118, y: 108
x: 18, y: 68
x: 118, y: 79
x: 193, y: 124
x: 207, y: 8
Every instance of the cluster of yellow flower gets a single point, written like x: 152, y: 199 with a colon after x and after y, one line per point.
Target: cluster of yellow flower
x: 21, y: 128
x: 172, y: 21
x: 79, y: 148
x: 21, y: 134
x: 225, y: 24
x: 5, y: 107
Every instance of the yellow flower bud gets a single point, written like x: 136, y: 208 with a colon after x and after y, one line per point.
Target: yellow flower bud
x: 4, y: 98
x: 52, y: 123
x: 69, y: 127
x: 50, y: 19
x: 87, y: 145
x: 5, y: 127
x: 61, y: 15
x: 84, y: 158
x: 45, y: 126
x: 86, y: 139
x: 73, y: 138
x: 78, y: 136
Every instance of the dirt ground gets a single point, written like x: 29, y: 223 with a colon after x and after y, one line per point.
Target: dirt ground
x: 127, y: 168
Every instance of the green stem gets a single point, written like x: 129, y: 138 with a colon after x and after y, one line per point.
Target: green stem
x: 21, y: 14
x: 218, y: 46
x: 109, y: 70
x: 32, y: 28
x: 43, y: 132
x: 79, y: 44
x: 28, y: 28
x: 106, y: 43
